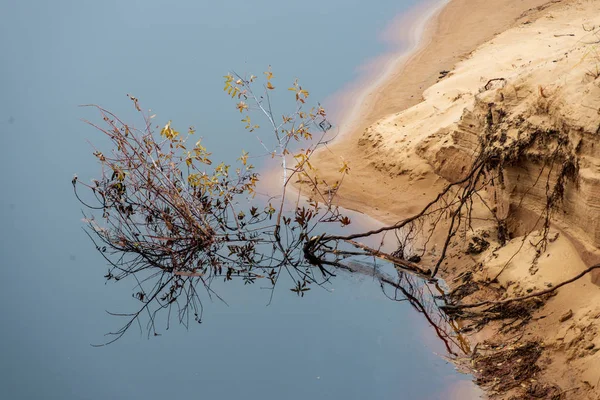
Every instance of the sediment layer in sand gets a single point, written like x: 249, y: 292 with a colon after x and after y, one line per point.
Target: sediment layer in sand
x: 413, y: 134
x: 452, y: 34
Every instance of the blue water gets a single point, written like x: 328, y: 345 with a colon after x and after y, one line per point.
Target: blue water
x: 349, y: 343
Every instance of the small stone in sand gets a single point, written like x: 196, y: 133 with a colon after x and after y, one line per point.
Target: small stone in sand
x: 566, y: 316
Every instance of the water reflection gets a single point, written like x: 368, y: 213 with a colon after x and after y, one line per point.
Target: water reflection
x: 57, y: 55
x: 164, y: 217
x: 174, y: 236
x: 420, y: 295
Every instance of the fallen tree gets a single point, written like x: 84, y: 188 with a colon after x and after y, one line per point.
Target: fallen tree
x: 163, y: 214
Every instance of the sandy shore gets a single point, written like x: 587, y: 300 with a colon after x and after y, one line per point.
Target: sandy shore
x: 448, y: 37
x: 418, y: 128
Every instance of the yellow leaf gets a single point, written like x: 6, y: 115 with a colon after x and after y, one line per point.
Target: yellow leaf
x: 345, y: 169
x: 270, y: 86
x: 169, y: 132
x: 242, y: 106
x: 244, y: 157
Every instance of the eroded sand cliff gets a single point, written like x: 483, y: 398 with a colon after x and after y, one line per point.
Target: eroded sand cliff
x: 533, y: 93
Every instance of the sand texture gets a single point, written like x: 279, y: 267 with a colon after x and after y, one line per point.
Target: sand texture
x: 517, y: 69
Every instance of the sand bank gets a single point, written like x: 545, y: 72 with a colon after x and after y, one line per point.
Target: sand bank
x: 419, y: 129
x: 449, y: 36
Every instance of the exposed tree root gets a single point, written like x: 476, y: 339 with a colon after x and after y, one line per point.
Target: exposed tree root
x: 583, y: 273
x: 502, y: 369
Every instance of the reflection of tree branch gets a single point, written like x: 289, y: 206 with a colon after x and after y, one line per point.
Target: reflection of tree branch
x: 418, y: 300
x: 417, y: 305
x: 182, y: 223
x: 404, y: 264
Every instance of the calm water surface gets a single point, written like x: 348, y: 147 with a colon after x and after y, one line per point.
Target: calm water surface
x: 349, y: 343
